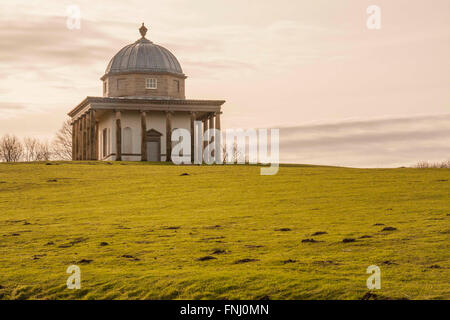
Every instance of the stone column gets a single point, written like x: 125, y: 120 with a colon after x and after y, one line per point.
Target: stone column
x: 205, y: 128
x: 192, y: 135
x: 88, y: 136
x: 144, y: 136
x: 118, y: 136
x: 168, y: 135
x: 92, y: 137
x: 219, y: 139
x: 83, y: 157
x: 211, y: 121
x: 74, y: 139
x: 211, y: 126
x: 80, y: 138
x: 217, y: 114
x: 96, y: 148
x: 78, y: 151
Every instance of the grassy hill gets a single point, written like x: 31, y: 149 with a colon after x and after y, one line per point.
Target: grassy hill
x: 142, y: 231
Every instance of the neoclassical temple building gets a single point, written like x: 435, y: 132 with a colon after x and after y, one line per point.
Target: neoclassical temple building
x: 143, y: 101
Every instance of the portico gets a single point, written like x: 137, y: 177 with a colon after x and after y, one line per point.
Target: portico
x: 141, y: 118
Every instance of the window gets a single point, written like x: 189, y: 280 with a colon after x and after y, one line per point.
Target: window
x: 176, y: 85
x: 151, y: 83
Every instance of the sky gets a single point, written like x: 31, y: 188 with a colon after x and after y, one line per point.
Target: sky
x: 341, y: 94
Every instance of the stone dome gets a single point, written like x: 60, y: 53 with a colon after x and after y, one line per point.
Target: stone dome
x: 143, y: 56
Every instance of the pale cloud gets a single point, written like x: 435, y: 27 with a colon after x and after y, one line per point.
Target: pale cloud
x: 386, y: 142
x: 11, y: 106
x: 376, y: 125
x: 272, y: 47
x: 46, y: 42
x: 8, y: 110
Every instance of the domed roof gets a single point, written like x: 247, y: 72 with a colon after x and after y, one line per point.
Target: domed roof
x: 143, y: 56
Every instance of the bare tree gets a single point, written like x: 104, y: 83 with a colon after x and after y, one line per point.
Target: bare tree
x: 30, y: 148
x: 35, y: 150
x: 62, y: 145
x: 233, y: 155
x: 43, y: 151
x: 445, y: 164
x: 426, y: 165
x: 11, y: 149
x: 422, y: 165
x: 224, y: 153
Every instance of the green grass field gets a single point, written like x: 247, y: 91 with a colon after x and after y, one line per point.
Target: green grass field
x: 137, y: 231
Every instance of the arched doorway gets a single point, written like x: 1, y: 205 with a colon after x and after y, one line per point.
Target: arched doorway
x: 153, y: 140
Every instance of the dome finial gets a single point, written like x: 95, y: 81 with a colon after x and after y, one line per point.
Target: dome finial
x: 143, y: 30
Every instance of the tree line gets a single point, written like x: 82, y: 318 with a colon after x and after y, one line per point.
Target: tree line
x: 13, y: 149
x: 434, y: 165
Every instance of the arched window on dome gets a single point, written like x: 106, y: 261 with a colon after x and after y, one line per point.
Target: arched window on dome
x: 127, y: 140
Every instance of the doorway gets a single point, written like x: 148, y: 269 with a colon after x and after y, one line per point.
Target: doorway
x: 153, y: 145
x: 154, y: 150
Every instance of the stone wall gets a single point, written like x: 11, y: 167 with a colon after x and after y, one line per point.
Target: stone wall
x: 156, y: 120
x: 130, y: 85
